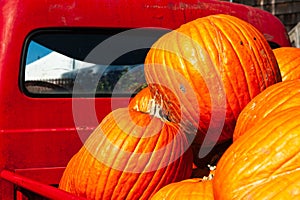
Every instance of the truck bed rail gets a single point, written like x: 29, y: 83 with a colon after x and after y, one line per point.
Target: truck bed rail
x: 37, y: 187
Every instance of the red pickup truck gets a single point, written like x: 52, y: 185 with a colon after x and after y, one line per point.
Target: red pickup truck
x: 49, y: 101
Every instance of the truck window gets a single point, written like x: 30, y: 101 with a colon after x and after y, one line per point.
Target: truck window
x: 84, y: 62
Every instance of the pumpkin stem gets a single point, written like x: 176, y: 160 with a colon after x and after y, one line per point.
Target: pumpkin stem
x: 156, y: 110
x: 212, y: 169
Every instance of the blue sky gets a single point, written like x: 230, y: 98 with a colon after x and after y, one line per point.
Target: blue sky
x: 36, y: 51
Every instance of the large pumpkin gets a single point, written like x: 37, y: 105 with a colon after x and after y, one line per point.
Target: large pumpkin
x: 206, y: 72
x: 264, y: 162
x: 288, y: 59
x: 130, y: 155
x: 278, y: 97
x: 188, y: 189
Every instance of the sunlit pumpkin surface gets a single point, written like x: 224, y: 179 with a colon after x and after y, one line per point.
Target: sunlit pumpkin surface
x: 206, y: 72
x: 278, y: 97
x: 129, y: 156
x: 264, y: 160
x: 196, y: 188
x: 263, y: 163
x: 288, y: 59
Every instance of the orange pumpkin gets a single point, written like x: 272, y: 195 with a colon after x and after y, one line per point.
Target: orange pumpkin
x: 195, y: 188
x: 264, y: 162
x: 206, y: 72
x: 130, y: 155
x: 288, y: 59
x: 278, y: 97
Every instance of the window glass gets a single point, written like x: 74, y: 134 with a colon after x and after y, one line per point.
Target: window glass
x: 86, y: 62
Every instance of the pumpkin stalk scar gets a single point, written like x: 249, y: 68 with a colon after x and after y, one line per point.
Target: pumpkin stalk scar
x: 182, y: 88
x: 156, y: 110
x: 212, y: 168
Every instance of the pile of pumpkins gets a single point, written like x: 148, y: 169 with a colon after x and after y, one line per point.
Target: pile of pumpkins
x: 212, y: 80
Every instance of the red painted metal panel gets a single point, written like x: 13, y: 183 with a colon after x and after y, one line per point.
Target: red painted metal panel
x: 49, y: 176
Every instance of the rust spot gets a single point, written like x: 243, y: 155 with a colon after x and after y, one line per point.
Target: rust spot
x: 241, y: 43
x: 160, y: 16
x: 268, y: 37
x: 180, y: 6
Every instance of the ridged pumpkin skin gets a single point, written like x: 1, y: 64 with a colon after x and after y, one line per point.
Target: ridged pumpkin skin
x: 116, y: 161
x: 142, y: 101
x: 264, y: 162
x: 195, y: 188
x: 184, y: 66
x: 274, y: 99
x: 288, y: 59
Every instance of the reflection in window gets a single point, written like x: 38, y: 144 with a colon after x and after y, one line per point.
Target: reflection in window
x: 57, y: 73
x: 56, y: 64
x: 35, y: 52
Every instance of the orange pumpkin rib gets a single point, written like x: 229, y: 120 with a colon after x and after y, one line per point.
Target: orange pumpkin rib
x: 286, y: 186
x: 114, y: 164
x: 234, y: 43
x: 195, y: 188
x: 265, y: 155
x: 266, y: 51
x: 225, y: 62
x: 258, y: 59
x: 162, y: 174
x: 196, y: 82
x: 254, y: 49
x: 277, y: 97
x: 222, y: 44
x: 288, y: 59
x: 169, y: 179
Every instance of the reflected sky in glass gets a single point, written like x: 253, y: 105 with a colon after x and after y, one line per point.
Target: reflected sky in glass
x: 35, y: 52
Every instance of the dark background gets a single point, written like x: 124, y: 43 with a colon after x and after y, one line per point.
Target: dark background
x: 288, y: 11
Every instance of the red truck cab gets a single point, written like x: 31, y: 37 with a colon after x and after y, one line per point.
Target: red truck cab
x: 47, y: 61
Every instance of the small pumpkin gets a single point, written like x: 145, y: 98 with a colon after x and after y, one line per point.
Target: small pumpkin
x: 264, y: 162
x: 195, y: 188
x: 276, y: 98
x: 206, y: 71
x: 130, y: 155
x: 288, y: 59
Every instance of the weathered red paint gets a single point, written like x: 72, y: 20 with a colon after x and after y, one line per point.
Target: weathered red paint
x: 40, y: 133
